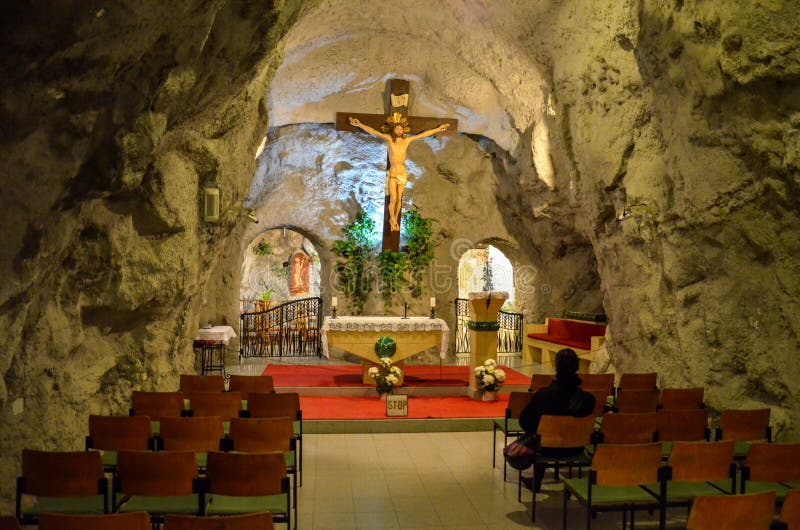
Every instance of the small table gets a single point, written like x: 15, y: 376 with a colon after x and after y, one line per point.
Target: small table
x: 209, y: 340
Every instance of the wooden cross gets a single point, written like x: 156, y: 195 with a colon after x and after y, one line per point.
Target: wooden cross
x: 398, y: 102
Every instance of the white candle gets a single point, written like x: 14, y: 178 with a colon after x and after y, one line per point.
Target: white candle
x: 433, y: 302
x: 333, y: 302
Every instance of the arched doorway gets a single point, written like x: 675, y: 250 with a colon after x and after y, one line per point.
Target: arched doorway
x: 488, y: 269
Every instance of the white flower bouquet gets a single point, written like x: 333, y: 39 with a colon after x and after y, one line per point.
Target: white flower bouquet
x: 385, y: 375
x: 489, y: 377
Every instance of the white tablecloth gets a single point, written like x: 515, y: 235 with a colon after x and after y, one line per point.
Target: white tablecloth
x: 216, y: 333
x: 353, y: 323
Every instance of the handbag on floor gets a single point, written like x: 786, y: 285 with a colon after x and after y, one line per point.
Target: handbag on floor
x: 519, y: 453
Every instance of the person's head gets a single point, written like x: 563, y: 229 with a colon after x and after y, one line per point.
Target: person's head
x: 396, y: 124
x: 566, y: 363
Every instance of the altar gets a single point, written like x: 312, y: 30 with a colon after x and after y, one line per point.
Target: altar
x: 358, y: 334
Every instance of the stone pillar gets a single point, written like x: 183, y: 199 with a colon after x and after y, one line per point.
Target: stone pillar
x: 483, y: 326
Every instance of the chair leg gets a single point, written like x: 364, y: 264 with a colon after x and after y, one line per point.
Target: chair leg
x: 564, y: 510
x: 494, y: 446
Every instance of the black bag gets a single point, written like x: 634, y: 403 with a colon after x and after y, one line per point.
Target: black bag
x: 519, y: 453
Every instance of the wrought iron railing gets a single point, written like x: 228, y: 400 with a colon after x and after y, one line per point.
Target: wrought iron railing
x: 509, y: 337
x: 290, y: 329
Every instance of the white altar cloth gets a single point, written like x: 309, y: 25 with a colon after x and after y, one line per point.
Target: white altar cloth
x: 388, y: 324
x: 216, y: 333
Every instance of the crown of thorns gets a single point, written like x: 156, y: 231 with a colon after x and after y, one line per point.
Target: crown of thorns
x: 393, y: 120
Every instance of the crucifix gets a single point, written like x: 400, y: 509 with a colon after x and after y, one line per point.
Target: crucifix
x: 393, y: 129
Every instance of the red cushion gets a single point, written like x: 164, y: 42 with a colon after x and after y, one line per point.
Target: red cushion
x: 570, y: 333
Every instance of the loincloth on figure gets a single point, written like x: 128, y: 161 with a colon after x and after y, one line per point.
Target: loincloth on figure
x: 398, y: 177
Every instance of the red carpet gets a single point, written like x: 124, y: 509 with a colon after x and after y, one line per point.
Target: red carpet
x: 419, y: 407
x: 294, y: 375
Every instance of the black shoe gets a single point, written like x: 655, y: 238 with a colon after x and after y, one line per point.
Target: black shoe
x: 527, y: 482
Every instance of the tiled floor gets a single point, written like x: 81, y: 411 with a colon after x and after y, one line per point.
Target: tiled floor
x: 433, y: 480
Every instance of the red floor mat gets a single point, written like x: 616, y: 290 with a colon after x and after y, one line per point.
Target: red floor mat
x: 419, y: 407
x: 295, y: 375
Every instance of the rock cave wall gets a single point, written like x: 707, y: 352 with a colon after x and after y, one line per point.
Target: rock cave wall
x: 680, y: 117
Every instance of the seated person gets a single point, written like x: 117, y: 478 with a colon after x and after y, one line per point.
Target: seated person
x: 563, y: 397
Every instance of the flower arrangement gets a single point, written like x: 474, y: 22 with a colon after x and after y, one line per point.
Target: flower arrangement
x: 385, y: 375
x: 489, y: 377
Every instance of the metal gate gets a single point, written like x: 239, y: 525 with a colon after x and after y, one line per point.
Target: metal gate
x: 290, y: 329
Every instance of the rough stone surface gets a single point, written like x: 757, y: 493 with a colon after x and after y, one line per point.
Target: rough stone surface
x: 682, y: 118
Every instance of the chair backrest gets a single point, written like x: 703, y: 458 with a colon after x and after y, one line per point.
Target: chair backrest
x: 517, y: 401
x: 114, y: 433
x: 773, y: 462
x: 202, y: 383
x: 622, y: 428
x: 111, y: 521
x: 597, y: 382
x: 274, y: 405
x: 744, y: 425
x: 62, y: 474
x: 600, y: 401
x: 251, y: 384
x: 157, y: 474
x: 732, y: 512
x: 540, y: 381
x: 701, y: 461
x: 261, y: 434
x: 626, y: 465
x: 790, y: 512
x: 632, y: 401
x: 638, y: 381
x: 157, y: 405
x: 246, y: 474
x: 683, y: 425
x: 226, y: 405
x: 682, y: 398
x: 250, y: 521
x: 9, y: 523
x: 565, y: 431
x: 198, y: 433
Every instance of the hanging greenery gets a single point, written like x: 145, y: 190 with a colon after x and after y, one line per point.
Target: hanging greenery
x: 356, y: 253
x: 392, y: 267
x: 420, y: 248
x: 262, y: 249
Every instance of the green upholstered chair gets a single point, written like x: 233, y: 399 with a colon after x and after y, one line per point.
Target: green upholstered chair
x: 199, y: 434
x: 699, y: 469
x: 771, y: 467
x: 790, y: 511
x: 559, y: 432
x: 280, y: 405
x: 681, y: 425
x: 732, y: 512
x: 61, y: 482
x: 240, y: 483
x: 632, y: 401
x: 617, y: 480
x: 109, y: 521
x: 509, y: 424
x: 157, y: 483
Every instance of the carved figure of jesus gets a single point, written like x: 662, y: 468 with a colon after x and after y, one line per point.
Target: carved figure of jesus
x: 395, y: 131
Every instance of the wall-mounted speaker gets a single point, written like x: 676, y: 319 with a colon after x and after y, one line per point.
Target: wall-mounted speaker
x: 211, y: 205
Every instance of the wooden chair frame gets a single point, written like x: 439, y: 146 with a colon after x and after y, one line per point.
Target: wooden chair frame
x: 622, y: 465
x: 226, y: 405
x: 771, y: 467
x: 638, y: 381
x: 509, y: 424
x: 557, y: 432
x: 279, y: 405
x: 157, y: 405
x: 790, y: 512
x: 634, y: 401
x: 119, y: 433
x: 631, y: 428
x: 683, y: 425
x: 249, y: 475
x: 539, y: 381
x: 597, y: 382
x: 262, y: 521
x: 251, y: 384
x: 9, y: 522
x: 681, y: 398
x: 60, y: 475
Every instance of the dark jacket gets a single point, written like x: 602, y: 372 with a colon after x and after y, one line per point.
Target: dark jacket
x: 563, y: 397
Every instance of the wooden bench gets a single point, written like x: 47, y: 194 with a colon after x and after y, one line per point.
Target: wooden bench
x: 541, y: 342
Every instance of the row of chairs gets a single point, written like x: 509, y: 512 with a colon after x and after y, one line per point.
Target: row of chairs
x: 158, y: 483
x: 630, y: 478
x: 246, y: 384
x: 141, y: 521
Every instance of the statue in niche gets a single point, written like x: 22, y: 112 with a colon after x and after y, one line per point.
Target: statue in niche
x: 394, y: 132
x: 299, y: 275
